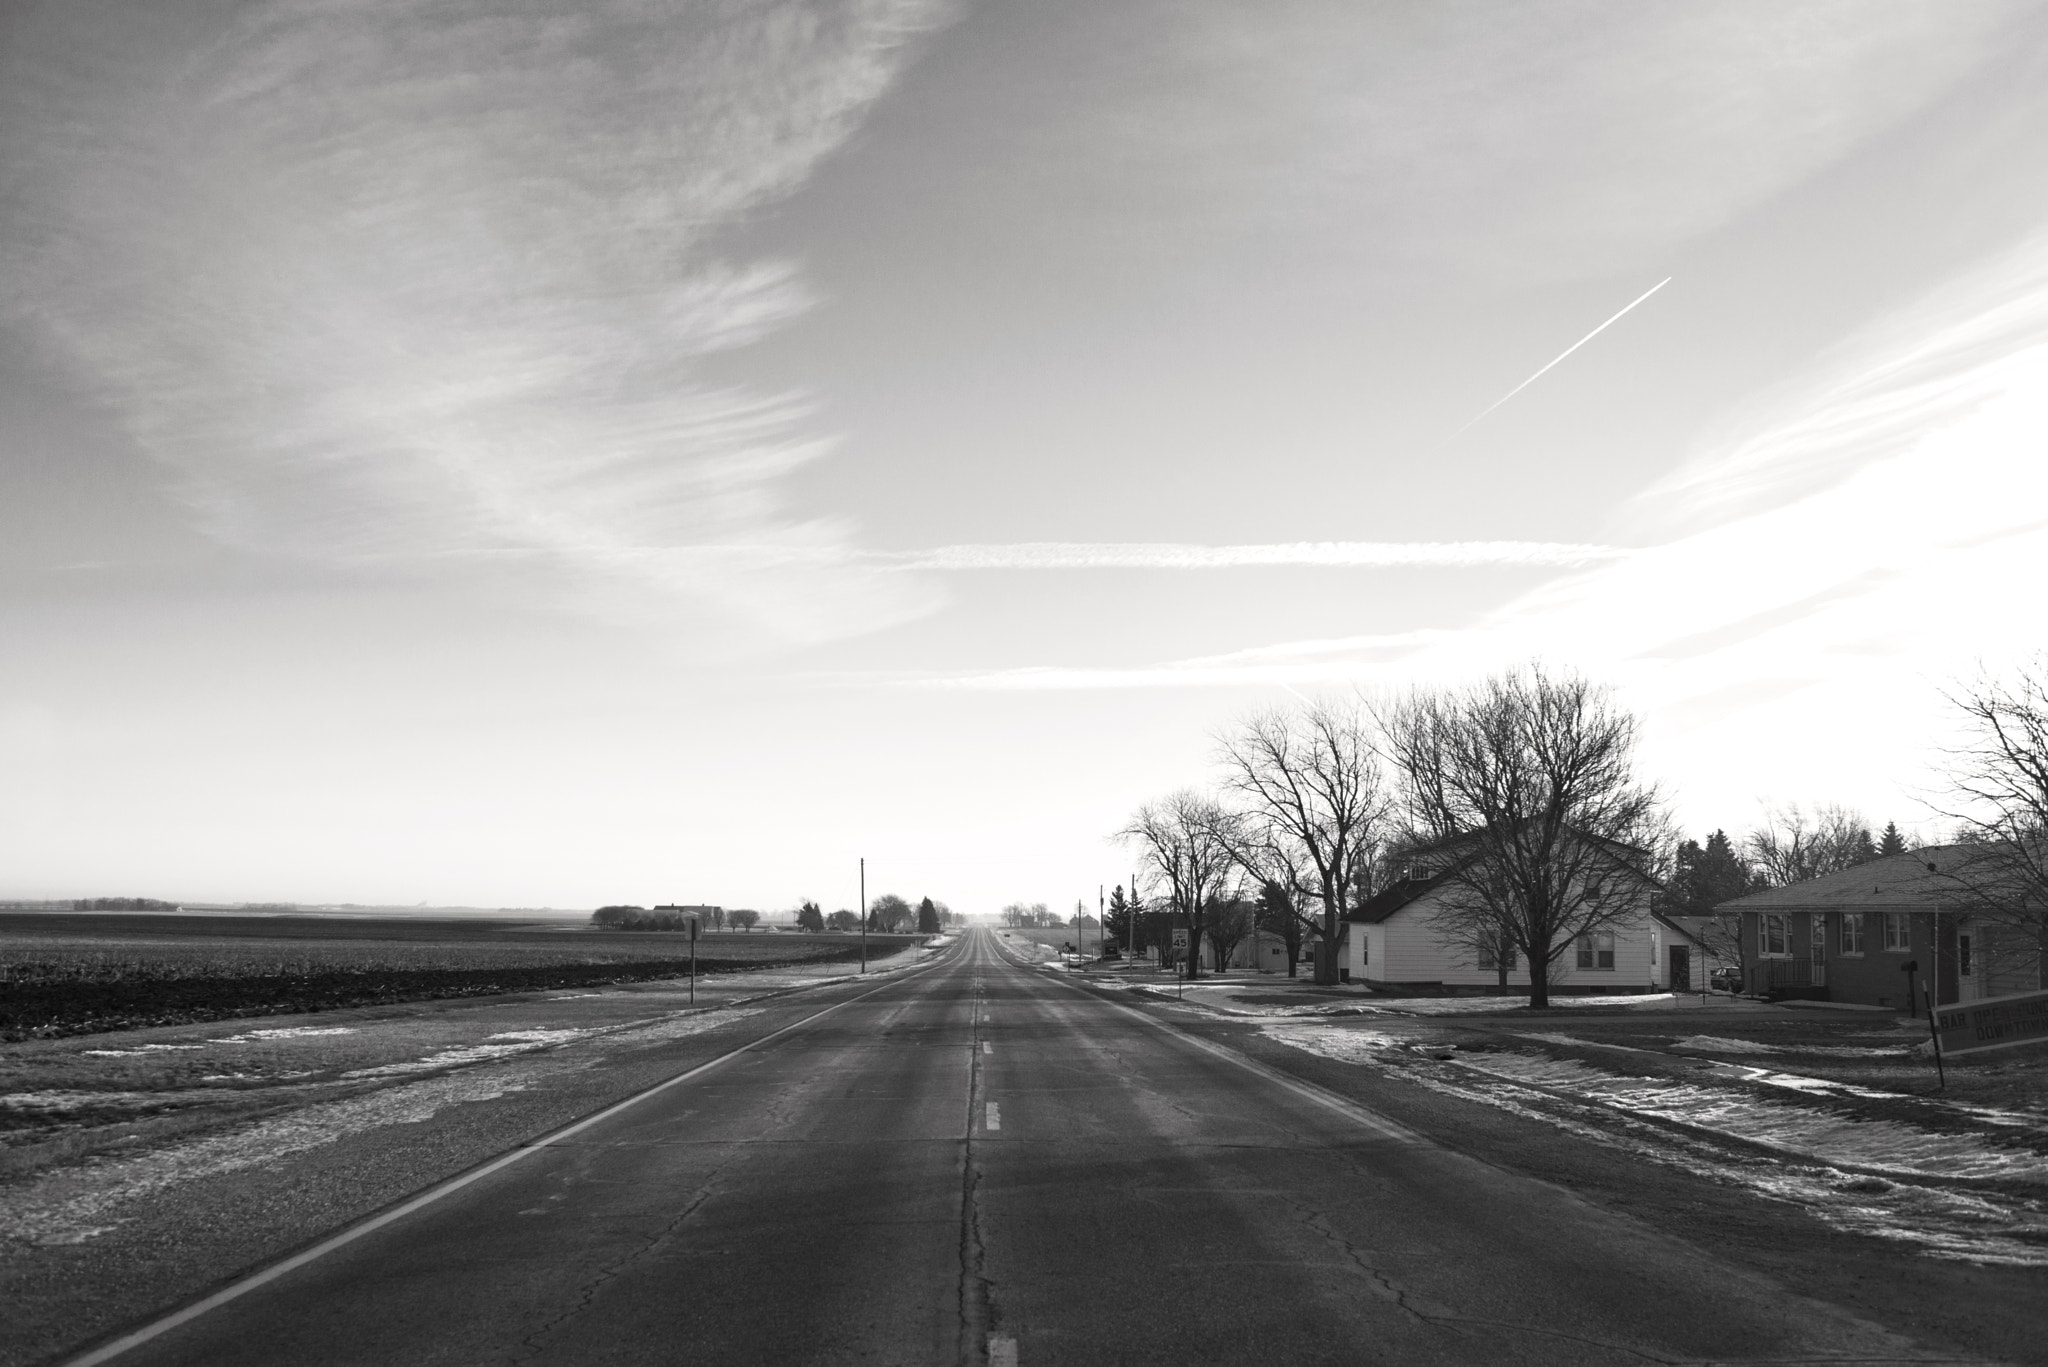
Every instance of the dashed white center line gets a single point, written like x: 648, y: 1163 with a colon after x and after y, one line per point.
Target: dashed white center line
x: 995, y: 1117
x: 987, y: 1048
x: 1002, y: 1351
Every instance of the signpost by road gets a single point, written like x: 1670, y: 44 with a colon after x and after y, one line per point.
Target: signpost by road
x: 1991, y: 1023
x: 694, y: 919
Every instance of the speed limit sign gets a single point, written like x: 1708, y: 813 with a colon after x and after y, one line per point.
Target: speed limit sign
x: 1180, y: 937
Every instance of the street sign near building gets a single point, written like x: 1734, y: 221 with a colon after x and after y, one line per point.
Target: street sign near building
x: 1992, y: 1023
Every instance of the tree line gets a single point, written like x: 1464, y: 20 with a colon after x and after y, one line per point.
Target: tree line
x: 1519, y: 800
x: 671, y: 918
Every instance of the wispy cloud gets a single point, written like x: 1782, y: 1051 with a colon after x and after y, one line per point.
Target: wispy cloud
x: 1874, y: 537
x: 380, y: 281
x: 1086, y: 555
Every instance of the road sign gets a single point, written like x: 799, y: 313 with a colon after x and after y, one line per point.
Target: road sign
x: 1993, y: 1023
x: 1180, y: 937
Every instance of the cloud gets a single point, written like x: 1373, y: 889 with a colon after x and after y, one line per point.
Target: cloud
x: 1067, y: 555
x: 1551, y: 141
x: 382, y: 282
x: 1876, y: 535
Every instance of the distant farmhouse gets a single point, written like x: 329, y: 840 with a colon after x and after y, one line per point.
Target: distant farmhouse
x: 1873, y: 932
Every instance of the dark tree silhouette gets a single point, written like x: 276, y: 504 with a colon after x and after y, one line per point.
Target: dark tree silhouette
x: 1540, y: 830
x: 1187, y: 839
x: 1310, y: 782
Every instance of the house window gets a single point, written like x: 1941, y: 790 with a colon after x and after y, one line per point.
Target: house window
x: 1503, y: 956
x: 1852, y: 932
x: 1597, y: 949
x: 1964, y: 964
x: 1898, y: 932
x: 1774, y: 939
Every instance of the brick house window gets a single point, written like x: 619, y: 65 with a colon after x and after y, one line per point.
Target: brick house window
x: 1774, y: 936
x: 1596, y: 950
x: 1898, y: 932
x: 1852, y: 932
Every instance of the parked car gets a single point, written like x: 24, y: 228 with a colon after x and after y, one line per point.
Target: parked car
x: 1725, y: 980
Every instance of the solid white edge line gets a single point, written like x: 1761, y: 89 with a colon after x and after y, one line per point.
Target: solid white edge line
x: 235, y: 1290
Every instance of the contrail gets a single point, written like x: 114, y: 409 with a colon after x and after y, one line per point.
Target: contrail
x: 1566, y: 352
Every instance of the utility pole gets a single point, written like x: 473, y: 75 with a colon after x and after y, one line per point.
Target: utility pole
x: 863, y: 913
x: 1101, y: 921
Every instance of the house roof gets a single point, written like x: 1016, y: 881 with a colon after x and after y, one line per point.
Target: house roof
x: 1390, y: 899
x: 1677, y: 924
x: 1917, y: 880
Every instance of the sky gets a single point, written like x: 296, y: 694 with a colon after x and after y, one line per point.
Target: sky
x: 509, y: 452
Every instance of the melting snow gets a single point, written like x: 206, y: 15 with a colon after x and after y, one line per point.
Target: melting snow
x: 1714, y: 1044
x: 1978, y: 1226
x: 74, y: 1205
x: 519, y: 1042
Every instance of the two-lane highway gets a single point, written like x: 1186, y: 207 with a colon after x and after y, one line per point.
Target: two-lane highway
x: 982, y: 1162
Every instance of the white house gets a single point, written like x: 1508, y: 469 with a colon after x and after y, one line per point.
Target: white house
x: 1395, y: 939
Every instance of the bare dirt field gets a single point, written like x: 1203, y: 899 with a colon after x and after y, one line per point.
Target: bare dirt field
x: 78, y: 973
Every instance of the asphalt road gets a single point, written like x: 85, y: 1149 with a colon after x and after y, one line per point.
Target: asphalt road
x: 984, y: 1163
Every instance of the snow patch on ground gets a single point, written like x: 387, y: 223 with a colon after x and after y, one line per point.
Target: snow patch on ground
x: 77, y: 1204
x: 139, y: 1050
x: 1806, y: 1131
x: 1715, y: 1044
x: 517, y: 1042
x: 73, y: 1205
x: 1986, y: 1226
x: 285, y: 1032
x: 678, y: 1027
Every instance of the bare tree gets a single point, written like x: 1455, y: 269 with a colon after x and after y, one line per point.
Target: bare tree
x: 745, y: 918
x: 1999, y: 790
x: 1310, y: 779
x: 1793, y: 846
x: 1540, y: 830
x: 1187, y: 839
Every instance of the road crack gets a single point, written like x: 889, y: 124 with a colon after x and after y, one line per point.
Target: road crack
x: 587, y: 1292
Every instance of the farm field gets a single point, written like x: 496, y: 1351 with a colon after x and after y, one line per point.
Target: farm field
x: 76, y: 973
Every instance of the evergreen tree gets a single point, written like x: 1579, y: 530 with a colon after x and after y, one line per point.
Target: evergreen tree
x: 927, y: 918
x: 1278, y: 914
x: 1121, y: 925
x: 1707, y: 875
x: 1892, y: 842
x: 809, y: 916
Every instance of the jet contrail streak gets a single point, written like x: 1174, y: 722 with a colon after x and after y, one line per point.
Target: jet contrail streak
x: 1566, y: 352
